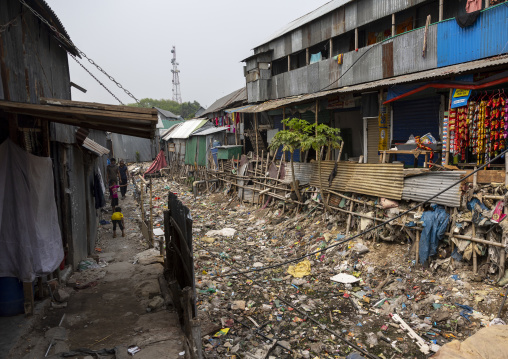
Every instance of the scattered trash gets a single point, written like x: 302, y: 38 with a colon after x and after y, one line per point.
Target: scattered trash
x: 345, y: 278
x: 133, y: 349
x: 300, y: 270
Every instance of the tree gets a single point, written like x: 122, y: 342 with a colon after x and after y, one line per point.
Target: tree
x: 291, y: 139
x: 186, y: 109
x: 324, y: 136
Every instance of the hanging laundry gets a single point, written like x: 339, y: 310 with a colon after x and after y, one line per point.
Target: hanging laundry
x: 340, y: 59
x: 473, y: 5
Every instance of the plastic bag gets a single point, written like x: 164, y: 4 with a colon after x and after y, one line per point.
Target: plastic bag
x: 411, y: 140
x: 427, y: 139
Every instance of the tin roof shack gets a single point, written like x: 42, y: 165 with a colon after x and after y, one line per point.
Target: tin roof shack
x: 176, y: 141
x: 351, y: 53
x: 201, y: 144
x: 33, y: 64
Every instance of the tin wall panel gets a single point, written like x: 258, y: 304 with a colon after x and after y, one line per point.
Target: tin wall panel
x: 305, y: 36
x: 365, y: 12
x: 408, y: 50
x: 369, y: 67
x: 298, y: 81
x: 313, y: 77
x: 338, y: 22
x: 350, y: 15
x: 315, y: 32
x: 487, y: 37
x: 326, y: 27
x: 279, y: 48
x: 296, y: 40
x: 278, y: 90
x: 331, y: 79
x: 422, y: 187
x: 303, y: 172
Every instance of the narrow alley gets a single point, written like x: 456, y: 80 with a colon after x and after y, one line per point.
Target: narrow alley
x: 114, y: 304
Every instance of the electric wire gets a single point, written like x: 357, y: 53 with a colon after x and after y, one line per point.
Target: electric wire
x: 382, y: 224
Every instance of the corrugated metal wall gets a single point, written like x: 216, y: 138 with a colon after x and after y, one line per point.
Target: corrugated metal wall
x: 487, y: 37
x: 125, y: 148
x: 420, y: 188
x: 380, y: 180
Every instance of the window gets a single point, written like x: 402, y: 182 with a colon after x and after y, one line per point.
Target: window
x: 279, y: 66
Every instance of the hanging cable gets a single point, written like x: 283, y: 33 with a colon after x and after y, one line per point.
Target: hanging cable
x: 373, y: 228
x: 81, y: 53
x: 96, y: 79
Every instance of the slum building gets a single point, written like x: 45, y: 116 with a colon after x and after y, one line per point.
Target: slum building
x: 53, y: 150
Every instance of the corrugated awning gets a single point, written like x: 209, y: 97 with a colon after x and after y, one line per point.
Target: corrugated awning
x: 126, y: 120
x: 94, y: 147
x: 417, y: 76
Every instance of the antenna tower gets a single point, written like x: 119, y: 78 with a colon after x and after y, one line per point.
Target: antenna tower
x: 177, y: 96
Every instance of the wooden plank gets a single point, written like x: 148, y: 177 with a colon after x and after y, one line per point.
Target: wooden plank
x: 387, y: 60
x: 489, y: 176
x: 99, y: 106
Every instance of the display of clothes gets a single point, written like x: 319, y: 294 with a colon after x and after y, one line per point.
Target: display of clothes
x: 480, y: 127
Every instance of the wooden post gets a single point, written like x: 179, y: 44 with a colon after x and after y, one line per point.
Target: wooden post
x: 289, y: 62
x: 142, y: 204
x: 487, y: 3
x: 417, y: 245
x: 331, y: 49
x: 447, y: 154
x: 475, y: 256
x: 150, y: 234
x: 506, y: 170
x: 236, y: 128
x: 242, y: 122
x: 349, y: 217
x: 307, y: 57
x: 356, y: 39
x: 393, y: 25
x: 317, y: 113
x: 441, y: 9
x: 256, y: 129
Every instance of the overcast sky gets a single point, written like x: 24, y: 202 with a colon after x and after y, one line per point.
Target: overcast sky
x: 132, y: 40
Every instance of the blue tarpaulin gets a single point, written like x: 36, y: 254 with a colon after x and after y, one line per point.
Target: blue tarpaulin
x: 434, y: 228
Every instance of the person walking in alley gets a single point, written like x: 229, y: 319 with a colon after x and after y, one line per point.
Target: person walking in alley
x: 112, y: 172
x: 123, y: 174
x: 117, y: 219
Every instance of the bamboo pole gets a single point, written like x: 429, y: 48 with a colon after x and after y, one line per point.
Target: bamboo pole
x: 475, y: 255
x: 447, y: 154
x: 256, y: 129
x: 150, y: 234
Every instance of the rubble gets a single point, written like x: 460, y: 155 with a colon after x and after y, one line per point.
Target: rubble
x: 349, y: 290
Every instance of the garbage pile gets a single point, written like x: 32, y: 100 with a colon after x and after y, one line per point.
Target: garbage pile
x: 366, y: 295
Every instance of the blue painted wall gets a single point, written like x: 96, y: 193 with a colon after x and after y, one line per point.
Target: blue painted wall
x: 487, y: 37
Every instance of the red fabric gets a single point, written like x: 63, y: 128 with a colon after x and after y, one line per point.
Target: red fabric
x: 160, y: 162
x: 473, y: 5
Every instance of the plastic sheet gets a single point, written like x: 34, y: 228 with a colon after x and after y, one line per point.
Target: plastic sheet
x: 30, y: 238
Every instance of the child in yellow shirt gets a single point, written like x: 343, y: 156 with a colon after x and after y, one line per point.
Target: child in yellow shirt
x: 117, y: 219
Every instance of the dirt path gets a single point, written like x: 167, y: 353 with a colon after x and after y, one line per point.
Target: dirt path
x: 120, y: 306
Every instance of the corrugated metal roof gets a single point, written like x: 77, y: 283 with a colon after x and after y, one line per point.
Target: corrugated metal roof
x: 418, y: 76
x: 380, y: 180
x: 185, y: 129
x: 236, y: 96
x: 94, y: 147
x: 209, y: 131
x: 167, y: 113
x: 311, y: 16
x: 422, y: 187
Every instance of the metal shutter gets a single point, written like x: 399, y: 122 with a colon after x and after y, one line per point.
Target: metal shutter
x: 415, y: 117
x: 372, y: 140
